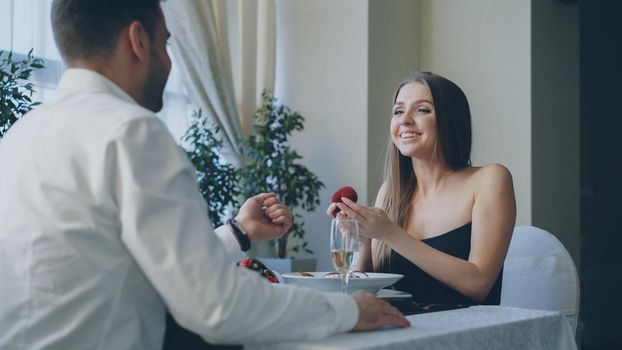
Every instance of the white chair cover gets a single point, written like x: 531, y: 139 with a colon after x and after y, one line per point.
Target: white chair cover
x: 539, y: 274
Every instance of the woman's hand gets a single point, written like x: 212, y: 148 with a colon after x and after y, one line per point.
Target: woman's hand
x: 331, y: 209
x: 364, y: 261
x: 264, y: 217
x: 373, y: 222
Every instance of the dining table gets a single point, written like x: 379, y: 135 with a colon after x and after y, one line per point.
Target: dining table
x: 475, y: 327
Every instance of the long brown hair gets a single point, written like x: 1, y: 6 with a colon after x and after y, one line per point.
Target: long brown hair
x: 453, y: 125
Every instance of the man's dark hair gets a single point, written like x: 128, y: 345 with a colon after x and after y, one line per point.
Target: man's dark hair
x: 88, y: 28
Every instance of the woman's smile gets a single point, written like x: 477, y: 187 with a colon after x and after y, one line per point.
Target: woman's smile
x: 410, y: 136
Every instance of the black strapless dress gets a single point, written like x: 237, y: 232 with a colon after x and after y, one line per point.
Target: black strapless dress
x: 428, y: 290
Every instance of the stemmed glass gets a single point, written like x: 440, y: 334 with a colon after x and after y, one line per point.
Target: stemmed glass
x: 344, y: 247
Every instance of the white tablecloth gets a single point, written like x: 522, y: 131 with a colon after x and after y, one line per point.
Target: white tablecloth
x: 476, y: 327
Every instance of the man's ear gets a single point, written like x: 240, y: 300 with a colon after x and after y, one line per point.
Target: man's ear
x: 139, y: 40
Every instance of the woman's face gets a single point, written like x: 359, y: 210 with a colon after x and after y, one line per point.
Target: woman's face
x: 413, y: 124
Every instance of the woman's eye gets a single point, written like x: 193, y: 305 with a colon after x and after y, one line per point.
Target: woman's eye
x: 397, y: 112
x: 424, y: 110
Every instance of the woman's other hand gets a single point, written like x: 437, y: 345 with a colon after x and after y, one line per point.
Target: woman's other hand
x: 373, y: 222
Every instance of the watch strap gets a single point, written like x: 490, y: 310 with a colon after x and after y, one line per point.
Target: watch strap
x: 240, y: 234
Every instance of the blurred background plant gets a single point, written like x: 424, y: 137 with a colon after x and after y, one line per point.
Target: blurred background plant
x: 15, y: 91
x: 270, y: 166
x: 218, y: 181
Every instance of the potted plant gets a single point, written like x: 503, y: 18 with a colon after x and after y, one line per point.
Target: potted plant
x: 15, y: 92
x: 218, y: 181
x: 270, y: 166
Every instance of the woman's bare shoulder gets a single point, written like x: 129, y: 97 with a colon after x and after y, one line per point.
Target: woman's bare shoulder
x: 495, y: 168
x: 491, y: 172
x: 491, y: 177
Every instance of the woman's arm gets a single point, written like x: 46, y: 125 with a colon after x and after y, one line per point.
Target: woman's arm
x: 493, y: 218
x: 364, y: 261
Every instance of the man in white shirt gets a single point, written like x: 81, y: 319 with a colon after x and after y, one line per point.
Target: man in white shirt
x: 102, y: 227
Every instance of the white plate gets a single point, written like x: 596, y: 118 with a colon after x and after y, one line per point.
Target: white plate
x: 392, y: 294
x: 372, y: 284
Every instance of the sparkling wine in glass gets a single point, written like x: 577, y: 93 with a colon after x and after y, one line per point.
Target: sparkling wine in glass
x: 344, y: 247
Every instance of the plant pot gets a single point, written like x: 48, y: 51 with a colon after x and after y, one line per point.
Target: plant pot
x: 289, y: 264
x: 263, y: 248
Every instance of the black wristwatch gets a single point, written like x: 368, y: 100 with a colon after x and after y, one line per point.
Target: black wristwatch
x: 240, y: 234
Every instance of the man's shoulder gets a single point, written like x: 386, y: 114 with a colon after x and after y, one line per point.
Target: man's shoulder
x: 97, y: 112
x: 99, y: 103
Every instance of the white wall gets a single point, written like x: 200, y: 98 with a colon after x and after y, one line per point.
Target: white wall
x: 555, y: 121
x: 484, y: 46
x: 517, y: 62
x: 322, y: 73
x: 326, y: 70
x: 393, y: 56
x: 338, y: 63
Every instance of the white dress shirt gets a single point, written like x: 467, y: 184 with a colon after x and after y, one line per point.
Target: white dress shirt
x: 102, y: 228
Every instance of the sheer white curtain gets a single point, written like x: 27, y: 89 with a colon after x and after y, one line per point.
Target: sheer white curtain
x: 226, y: 51
x: 25, y: 25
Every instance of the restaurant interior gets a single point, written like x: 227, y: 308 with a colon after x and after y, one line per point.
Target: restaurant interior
x: 543, y: 80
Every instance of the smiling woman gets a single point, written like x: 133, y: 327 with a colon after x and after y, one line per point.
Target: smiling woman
x: 443, y: 224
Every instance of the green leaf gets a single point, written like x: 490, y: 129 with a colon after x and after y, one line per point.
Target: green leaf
x: 15, y: 91
x: 270, y: 164
x: 217, y: 180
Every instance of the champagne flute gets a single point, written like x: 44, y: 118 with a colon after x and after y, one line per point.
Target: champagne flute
x: 344, y: 247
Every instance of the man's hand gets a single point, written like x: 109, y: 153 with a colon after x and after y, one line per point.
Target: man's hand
x: 376, y: 313
x: 264, y: 217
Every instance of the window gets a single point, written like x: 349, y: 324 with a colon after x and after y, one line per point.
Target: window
x: 25, y: 24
